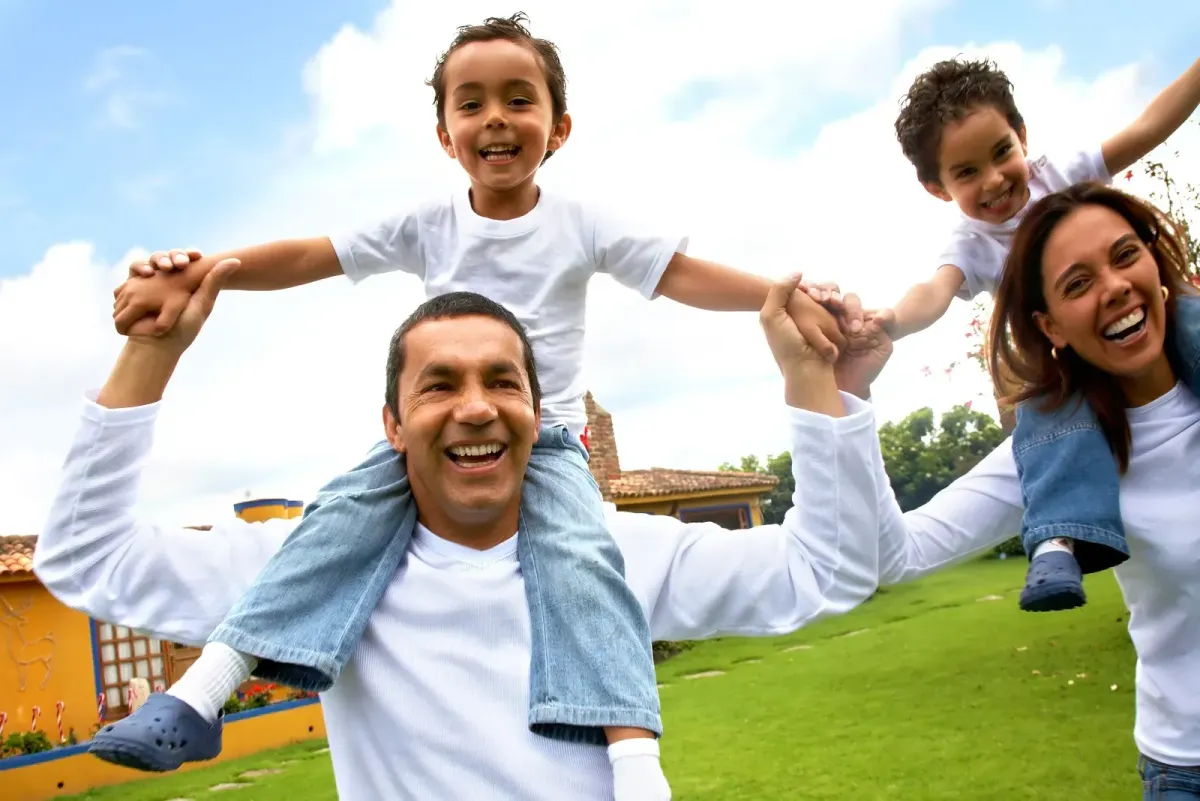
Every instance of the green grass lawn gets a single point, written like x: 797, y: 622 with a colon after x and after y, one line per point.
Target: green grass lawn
x: 932, y: 690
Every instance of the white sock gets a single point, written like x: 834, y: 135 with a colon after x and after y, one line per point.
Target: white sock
x: 637, y: 773
x: 1056, y: 544
x: 208, y: 683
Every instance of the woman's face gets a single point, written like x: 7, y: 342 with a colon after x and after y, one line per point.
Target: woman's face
x: 1104, y: 300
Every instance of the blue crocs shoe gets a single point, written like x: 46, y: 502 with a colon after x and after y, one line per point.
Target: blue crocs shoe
x: 1054, y: 582
x: 163, y: 734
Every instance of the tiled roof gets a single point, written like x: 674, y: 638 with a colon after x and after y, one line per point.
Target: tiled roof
x: 663, y: 481
x: 16, y: 555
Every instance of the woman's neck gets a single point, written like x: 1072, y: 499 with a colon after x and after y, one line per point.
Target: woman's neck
x: 1150, y: 385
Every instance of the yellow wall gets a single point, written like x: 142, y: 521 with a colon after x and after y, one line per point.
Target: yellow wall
x: 46, y: 657
x: 80, y: 772
x: 674, y: 505
x: 256, y: 511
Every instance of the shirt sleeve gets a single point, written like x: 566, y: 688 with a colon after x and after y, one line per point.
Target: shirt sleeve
x: 981, y: 265
x: 636, y: 258
x: 698, y: 580
x: 977, y: 512
x: 389, y: 245
x: 98, y: 556
x: 1085, y: 165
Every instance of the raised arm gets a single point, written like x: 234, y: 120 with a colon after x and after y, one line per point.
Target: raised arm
x: 976, y: 512
x: 1161, y: 118
x: 96, y: 555
x: 700, y: 580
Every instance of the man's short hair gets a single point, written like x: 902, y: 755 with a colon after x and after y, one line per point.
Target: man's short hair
x: 448, y: 307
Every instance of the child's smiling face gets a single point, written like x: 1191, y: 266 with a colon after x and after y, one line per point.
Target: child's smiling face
x: 499, y: 117
x: 981, y: 166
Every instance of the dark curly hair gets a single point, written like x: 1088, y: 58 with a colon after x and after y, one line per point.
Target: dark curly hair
x: 511, y: 29
x: 948, y: 91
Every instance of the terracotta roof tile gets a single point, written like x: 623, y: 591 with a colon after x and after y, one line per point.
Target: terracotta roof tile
x: 663, y: 481
x: 16, y: 555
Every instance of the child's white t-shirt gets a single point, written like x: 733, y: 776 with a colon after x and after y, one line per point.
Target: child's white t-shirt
x: 979, y: 249
x: 538, y: 266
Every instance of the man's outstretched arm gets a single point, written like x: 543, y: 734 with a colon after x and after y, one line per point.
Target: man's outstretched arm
x: 699, y: 580
x: 96, y: 555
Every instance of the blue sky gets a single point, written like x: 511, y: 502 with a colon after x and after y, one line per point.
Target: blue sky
x: 202, y: 95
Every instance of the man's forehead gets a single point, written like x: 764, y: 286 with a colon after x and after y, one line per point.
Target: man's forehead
x: 465, y: 342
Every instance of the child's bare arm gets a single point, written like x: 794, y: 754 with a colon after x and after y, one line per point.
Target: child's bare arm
x: 707, y: 285
x: 1161, y: 118
x: 151, y: 300
x: 924, y: 304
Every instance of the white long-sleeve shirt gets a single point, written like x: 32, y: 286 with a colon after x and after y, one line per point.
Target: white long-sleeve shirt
x: 433, y: 705
x: 1160, y: 506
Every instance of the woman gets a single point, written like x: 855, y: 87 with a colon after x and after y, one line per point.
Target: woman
x: 1082, y: 261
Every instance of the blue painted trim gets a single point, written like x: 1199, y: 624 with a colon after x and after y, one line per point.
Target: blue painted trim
x: 293, y: 504
x: 96, y: 670
x: 44, y: 756
x: 74, y: 750
x: 238, y: 507
x: 720, y: 508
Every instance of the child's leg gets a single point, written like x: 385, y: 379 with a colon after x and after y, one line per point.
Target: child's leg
x: 1072, y: 523
x: 592, y: 677
x: 1186, y: 340
x: 298, y: 623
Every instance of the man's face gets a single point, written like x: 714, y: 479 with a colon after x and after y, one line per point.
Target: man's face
x: 467, y: 422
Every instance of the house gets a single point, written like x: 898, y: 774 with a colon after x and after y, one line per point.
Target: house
x: 57, y: 661
x: 730, y: 499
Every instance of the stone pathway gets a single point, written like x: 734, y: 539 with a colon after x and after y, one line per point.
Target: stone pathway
x: 704, y: 674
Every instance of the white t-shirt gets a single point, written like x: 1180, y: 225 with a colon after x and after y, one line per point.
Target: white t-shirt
x: 1160, y: 496
x: 537, y: 266
x: 979, y: 248
x: 434, y: 704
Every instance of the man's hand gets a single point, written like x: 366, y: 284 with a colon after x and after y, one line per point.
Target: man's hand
x: 193, y: 310
x: 156, y: 292
x: 859, y: 366
x: 808, y: 377
x: 146, y: 363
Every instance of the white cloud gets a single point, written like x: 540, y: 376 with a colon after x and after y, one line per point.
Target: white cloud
x: 119, y: 78
x: 283, y: 390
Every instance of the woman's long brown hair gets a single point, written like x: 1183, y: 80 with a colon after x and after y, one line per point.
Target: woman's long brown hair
x: 1019, y: 352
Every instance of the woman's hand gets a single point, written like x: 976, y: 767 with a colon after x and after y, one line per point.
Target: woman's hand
x: 808, y: 377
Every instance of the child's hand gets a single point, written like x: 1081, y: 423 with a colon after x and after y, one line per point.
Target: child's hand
x: 846, y: 308
x: 817, y: 325
x: 165, y: 260
x: 885, y: 319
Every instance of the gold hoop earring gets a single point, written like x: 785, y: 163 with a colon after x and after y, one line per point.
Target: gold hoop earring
x: 1054, y: 353
x: 1166, y: 294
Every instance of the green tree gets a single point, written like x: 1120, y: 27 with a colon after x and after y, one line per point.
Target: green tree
x: 923, y: 456
x: 776, y: 502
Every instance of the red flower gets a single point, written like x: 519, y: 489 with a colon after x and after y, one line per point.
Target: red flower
x: 1129, y: 175
x: 968, y: 405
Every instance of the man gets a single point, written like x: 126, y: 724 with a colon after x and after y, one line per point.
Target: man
x: 433, y: 705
